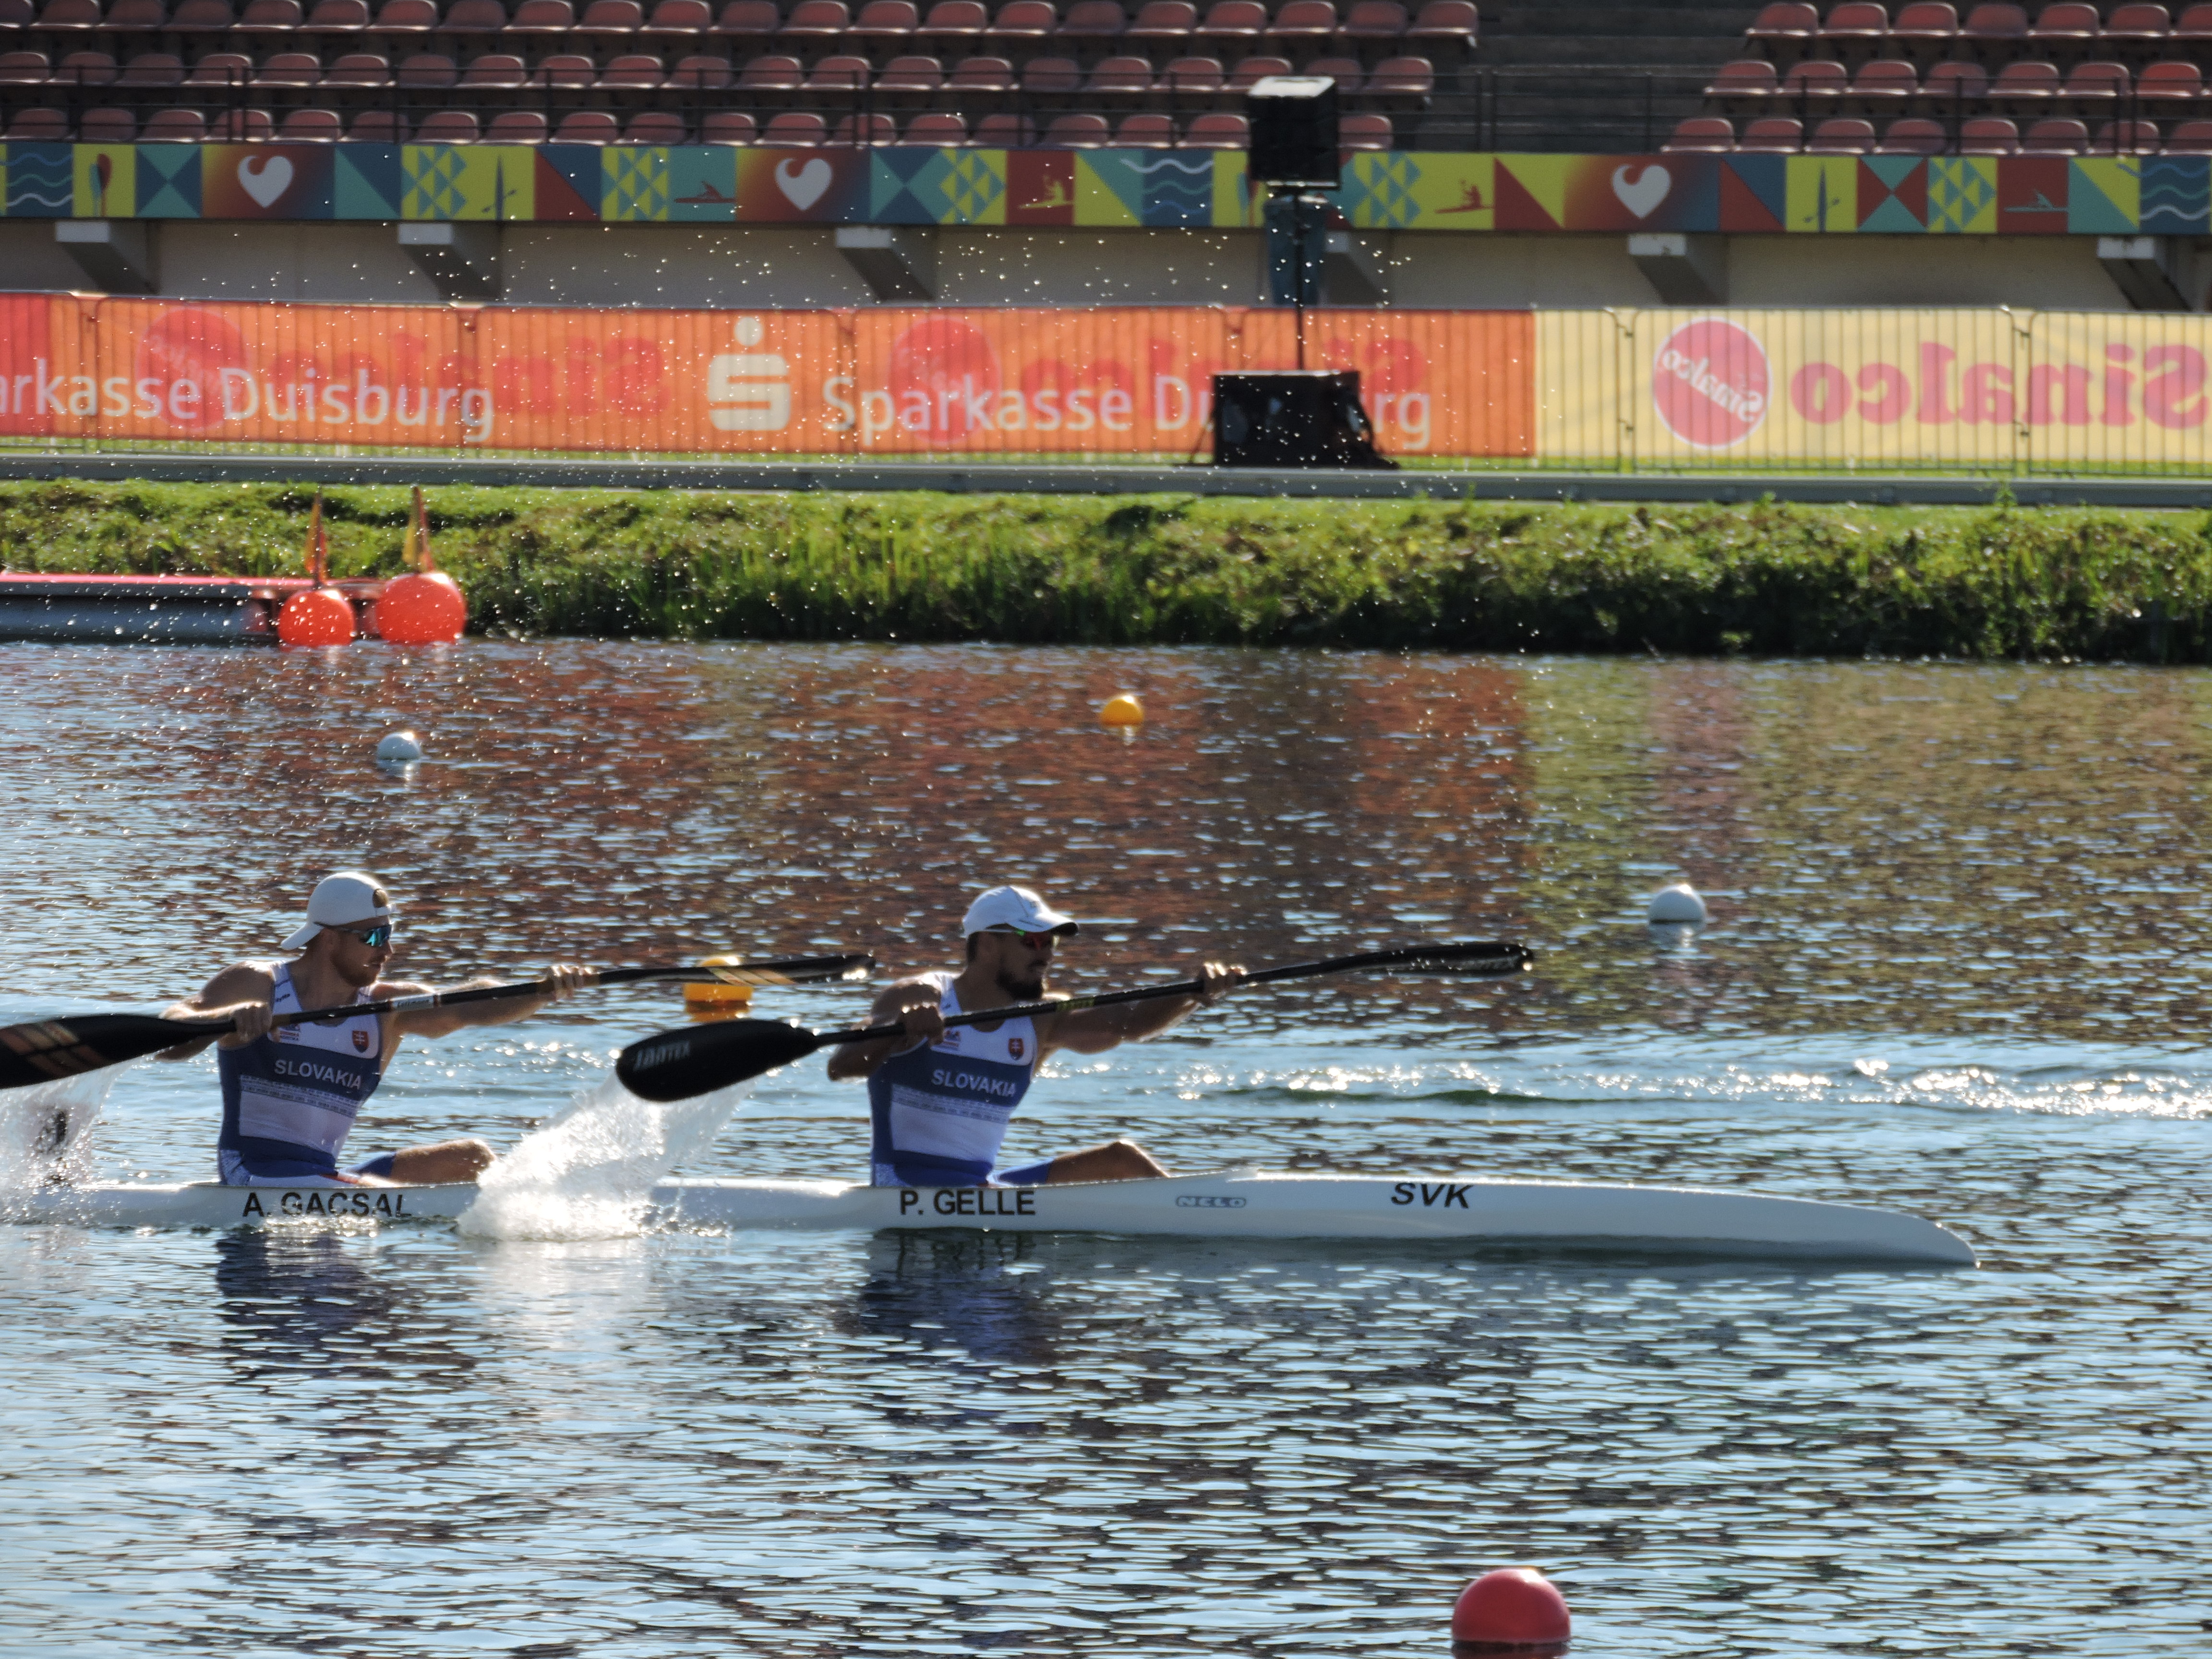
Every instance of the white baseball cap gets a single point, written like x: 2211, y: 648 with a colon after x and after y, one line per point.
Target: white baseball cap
x: 1016, y: 907
x: 343, y: 900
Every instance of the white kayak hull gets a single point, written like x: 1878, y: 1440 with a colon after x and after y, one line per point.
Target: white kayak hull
x: 1234, y: 1204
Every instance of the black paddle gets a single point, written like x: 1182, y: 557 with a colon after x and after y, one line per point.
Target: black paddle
x: 42, y: 1050
x: 677, y: 1065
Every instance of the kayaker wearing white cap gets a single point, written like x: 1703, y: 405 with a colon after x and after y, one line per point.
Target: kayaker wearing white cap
x: 940, y: 1099
x: 291, y: 1094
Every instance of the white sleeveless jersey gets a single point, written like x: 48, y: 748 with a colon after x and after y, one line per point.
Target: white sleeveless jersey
x: 939, y: 1110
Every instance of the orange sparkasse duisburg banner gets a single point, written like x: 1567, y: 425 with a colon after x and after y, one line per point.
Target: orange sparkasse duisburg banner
x: 879, y: 381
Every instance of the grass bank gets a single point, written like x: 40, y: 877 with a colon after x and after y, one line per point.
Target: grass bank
x: 2001, y: 582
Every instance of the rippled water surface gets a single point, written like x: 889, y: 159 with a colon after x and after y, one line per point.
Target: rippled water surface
x: 1956, y: 967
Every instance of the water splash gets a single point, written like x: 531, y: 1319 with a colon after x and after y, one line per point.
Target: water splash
x: 588, y: 1171
x: 45, y: 1131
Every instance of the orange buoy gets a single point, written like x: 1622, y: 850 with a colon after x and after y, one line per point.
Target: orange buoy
x: 1122, y: 710
x: 1512, y: 1607
x: 321, y: 616
x: 426, y: 609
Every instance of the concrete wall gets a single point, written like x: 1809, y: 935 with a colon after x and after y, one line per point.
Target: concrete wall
x: 769, y: 266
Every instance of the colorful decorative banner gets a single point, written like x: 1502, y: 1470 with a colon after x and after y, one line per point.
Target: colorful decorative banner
x: 1380, y: 189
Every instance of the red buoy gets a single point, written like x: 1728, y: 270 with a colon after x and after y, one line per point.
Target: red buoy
x: 422, y: 610
x: 321, y: 616
x: 1512, y: 1607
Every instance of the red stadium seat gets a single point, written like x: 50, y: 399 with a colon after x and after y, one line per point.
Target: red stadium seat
x: 813, y: 24
x: 516, y: 126
x: 728, y: 126
x: 1365, y: 129
x: 1995, y: 32
x: 1915, y: 135
x: 1001, y: 131
x: 1219, y: 132
x: 1119, y: 78
x: 987, y: 75
x: 796, y: 128
x: 2096, y: 88
x: 1151, y: 130
x: 954, y: 26
x: 18, y: 13
x: 1814, y: 83
x: 106, y: 126
x: 1887, y: 85
x: 1192, y: 77
x: 1855, y: 30
x: 1166, y: 26
x: 1256, y: 69
x: 200, y: 17
x: 174, y: 126
x: 884, y: 26
x: 1745, y: 85
x: 1783, y: 29
x: 2137, y: 27
x: 1022, y: 25
x: 1083, y: 131
x: 2125, y: 138
x: 1989, y: 134
x: 268, y: 17
x: 1701, y: 133
x: 336, y: 17
x: 58, y: 16
x: 587, y: 126
x: 2066, y: 29
x: 912, y: 76
x: 655, y: 126
x: 2190, y: 138
x: 38, y: 125
x: 1406, y: 81
x: 1954, y: 88
x: 1347, y: 72
x: 751, y: 22
x: 611, y: 19
x: 221, y: 69
x: 288, y: 69
x: 1302, y: 26
x: 1771, y: 135
x: 23, y: 69
x: 2169, y: 86
x: 633, y: 71
x: 475, y: 17
x: 540, y: 18
x: 311, y: 126
x: 772, y: 72
x: 496, y: 70
x: 677, y: 23
x: 378, y: 127
x: 86, y: 68
x: 865, y: 129
x: 838, y: 78
x: 701, y: 72
x: 1371, y: 26
x: 1231, y: 25
x: 368, y: 69
x: 565, y: 69
x: 1094, y: 24
x: 1444, y: 29
x: 1841, y: 134
x: 405, y: 17
x: 1923, y: 30
x: 941, y: 127
x: 2060, y: 135
x: 2027, y: 86
x: 153, y: 69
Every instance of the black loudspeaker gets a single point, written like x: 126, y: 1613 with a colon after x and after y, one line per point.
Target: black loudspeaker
x: 1308, y: 418
x: 1293, y: 118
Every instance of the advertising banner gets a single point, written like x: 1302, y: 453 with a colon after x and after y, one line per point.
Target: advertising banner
x: 881, y: 382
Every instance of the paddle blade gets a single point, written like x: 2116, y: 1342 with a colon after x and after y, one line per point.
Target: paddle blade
x: 698, y: 1059
x: 1488, y: 959
x: 40, y: 1050
x: 794, y: 971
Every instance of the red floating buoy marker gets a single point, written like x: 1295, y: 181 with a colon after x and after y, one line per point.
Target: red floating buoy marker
x: 1512, y: 1607
x: 425, y: 607
x: 321, y: 616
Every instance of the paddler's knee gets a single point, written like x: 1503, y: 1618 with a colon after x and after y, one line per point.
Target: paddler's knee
x: 476, y: 1155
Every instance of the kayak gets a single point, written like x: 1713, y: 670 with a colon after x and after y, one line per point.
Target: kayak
x: 1222, y: 1203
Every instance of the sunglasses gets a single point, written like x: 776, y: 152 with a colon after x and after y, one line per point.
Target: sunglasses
x: 373, y: 939
x: 1035, y: 941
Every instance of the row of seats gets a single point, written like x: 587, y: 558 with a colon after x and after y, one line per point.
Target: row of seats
x: 1919, y: 135
x: 1926, y: 30
x: 1403, y: 81
x: 796, y: 128
x: 1881, y: 85
x: 883, y: 27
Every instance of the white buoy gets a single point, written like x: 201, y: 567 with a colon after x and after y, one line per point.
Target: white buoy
x: 398, y: 748
x: 1678, y: 902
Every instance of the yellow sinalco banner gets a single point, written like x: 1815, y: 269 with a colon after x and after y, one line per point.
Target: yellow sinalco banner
x: 1852, y: 390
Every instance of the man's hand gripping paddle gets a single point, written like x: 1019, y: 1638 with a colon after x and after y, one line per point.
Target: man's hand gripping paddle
x: 678, y: 1064
x: 42, y: 1050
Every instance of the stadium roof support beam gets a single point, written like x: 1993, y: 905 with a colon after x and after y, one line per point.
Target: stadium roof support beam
x: 1683, y: 270
x: 116, y: 255
x: 462, y: 259
x: 898, y: 262
x: 2155, y: 273
x: 1351, y: 276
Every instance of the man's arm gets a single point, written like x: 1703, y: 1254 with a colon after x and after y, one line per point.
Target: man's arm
x: 241, y: 993
x: 567, y: 977
x: 915, y: 1004
x: 1094, y: 1030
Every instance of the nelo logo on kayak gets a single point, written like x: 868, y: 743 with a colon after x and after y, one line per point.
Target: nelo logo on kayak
x: 1432, y: 1195
x: 1209, y: 1201
x: 357, y: 1200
